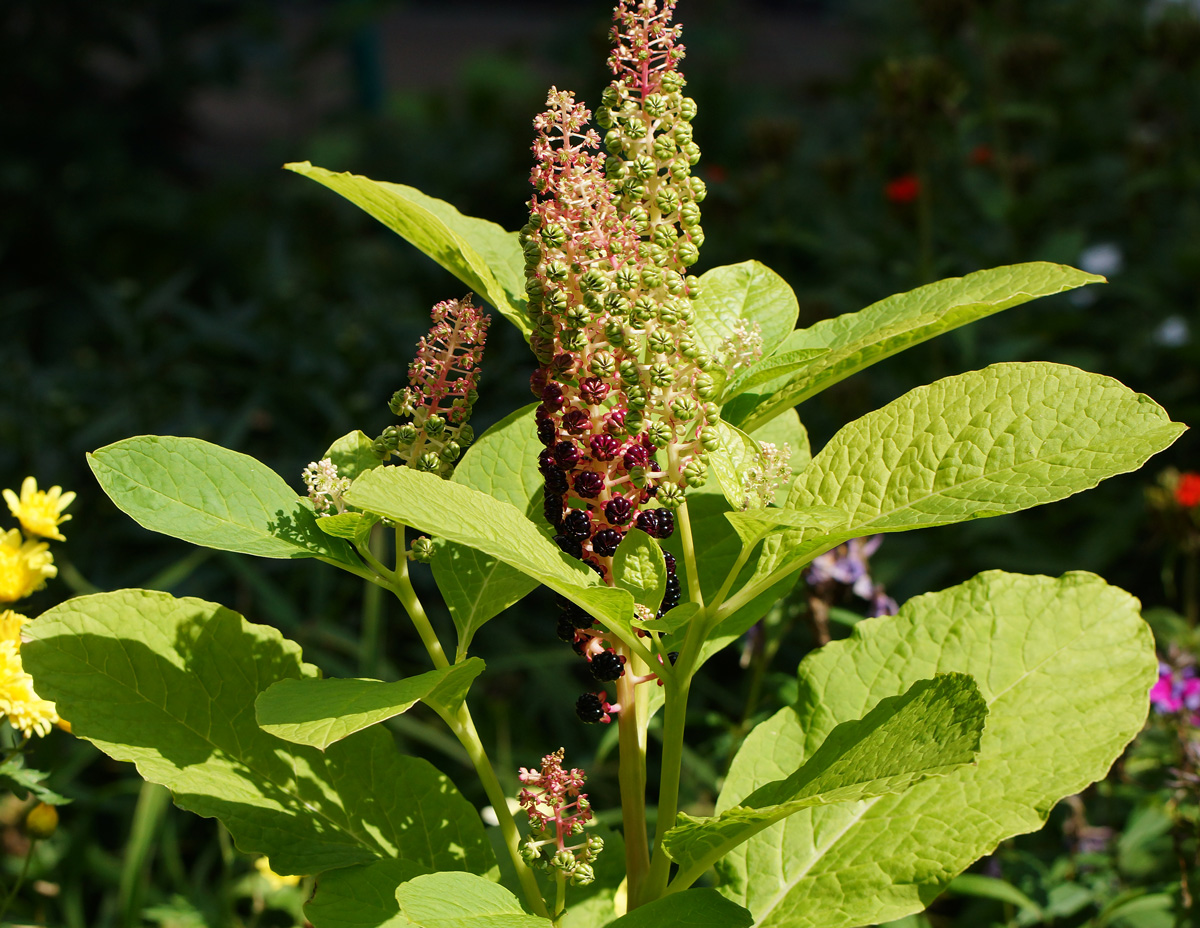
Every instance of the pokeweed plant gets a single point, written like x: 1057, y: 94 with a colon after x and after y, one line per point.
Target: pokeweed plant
x: 662, y: 485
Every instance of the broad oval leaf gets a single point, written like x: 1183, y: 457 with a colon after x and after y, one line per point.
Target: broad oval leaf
x: 170, y: 684
x: 320, y: 712
x: 1064, y: 665
x: 639, y: 567
x: 693, y: 908
x: 980, y: 444
x: 211, y: 496
x: 857, y: 340
x: 362, y: 896
x: 931, y: 730
x: 749, y: 292
x: 479, y: 253
x: 470, y: 517
x: 461, y: 900
x: 353, y: 453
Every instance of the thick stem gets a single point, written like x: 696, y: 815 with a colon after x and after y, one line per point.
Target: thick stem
x: 632, y: 779
x: 689, y: 554
x: 674, y: 720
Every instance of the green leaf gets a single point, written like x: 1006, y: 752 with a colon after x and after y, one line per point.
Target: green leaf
x: 639, y: 567
x: 988, y: 887
x: 979, y: 444
x: 320, y: 712
x: 479, y: 253
x: 211, y: 496
x: 731, y: 461
x: 694, y: 908
x: 469, y: 517
x: 22, y: 781
x: 1064, y: 666
x: 362, y: 896
x: 170, y: 685
x: 857, y: 340
x: 771, y: 369
x: 749, y: 291
x: 673, y: 621
x: 346, y: 525
x: 503, y: 464
x: 353, y: 454
x: 787, y: 430
x: 753, y: 525
x: 462, y: 900
x: 931, y: 730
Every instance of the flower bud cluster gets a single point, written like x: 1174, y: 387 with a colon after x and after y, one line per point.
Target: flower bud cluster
x: 325, y: 486
x: 557, y: 812
x: 624, y: 383
x: 443, y: 387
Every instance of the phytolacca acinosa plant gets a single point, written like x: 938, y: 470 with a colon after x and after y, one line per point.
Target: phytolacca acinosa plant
x: 625, y: 386
x: 558, y: 810
x: 443, y: 387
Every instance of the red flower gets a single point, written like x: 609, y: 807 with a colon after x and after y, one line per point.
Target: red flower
x: 981, y: 155
x: 903, y: 189
x: 1187, y: 491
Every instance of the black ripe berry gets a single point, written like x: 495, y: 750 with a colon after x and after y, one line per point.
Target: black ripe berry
x: 569, y: 544
x: 673, y: 657
x: 589, y: 708
x: 670, y: 559
x: 565, y: 631
x: 671, y: 597
x: 607, y: 666
x: 577, y: 523
x: 606, y: 541
x: 576, y: 616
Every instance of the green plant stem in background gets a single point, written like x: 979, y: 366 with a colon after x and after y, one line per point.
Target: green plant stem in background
x: 12, y: 893
x: 674, y: 721
x: 632, y: 777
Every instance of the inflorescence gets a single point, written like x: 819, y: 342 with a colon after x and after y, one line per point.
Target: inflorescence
x: 443, y: 387
x: 557, y: 812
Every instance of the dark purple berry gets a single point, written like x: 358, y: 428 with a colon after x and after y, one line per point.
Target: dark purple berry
x: 570, y: 545
x: 577, y: 421
x: 593, y: 390
x: 635, y: 456
x: 546, y: 461
x: 618, y: 510
x: 577, y: 523
x: 666, y: 523
x: 589, y: 708
x: 556, y: 482
x: 552, y: 508
x: 607, y: 666
x: 565, y: 631
x: 552, y: 396
x: 566, y: 453
x: 673, y: 657
x: 588, y: 484
x: 614, y: 422
x: 538, y: 381
x: 546, y: 432
x: 604, y: 447
x: 563, y: 363
x: 670, y: 559
x: 647, y: 521
x: 671, y: 595
x: 605, y: 542
x: 576, y: 616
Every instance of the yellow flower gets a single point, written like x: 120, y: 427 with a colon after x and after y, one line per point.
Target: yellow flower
x: 277, y: 881
x: 24, y: 566
x: 10, y: 625
x: 40, y: 511
x: 24, y: 709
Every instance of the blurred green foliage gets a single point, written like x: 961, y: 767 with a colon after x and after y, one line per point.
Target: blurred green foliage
x: 154, y: 283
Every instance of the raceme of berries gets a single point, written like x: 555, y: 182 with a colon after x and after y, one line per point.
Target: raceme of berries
x: 443, y: 383
x: 557, y: 812
x: 623, y: 385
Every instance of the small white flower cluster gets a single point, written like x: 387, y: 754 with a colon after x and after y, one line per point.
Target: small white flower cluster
x: 325, y: 487
x: 764, y: 475
x: 743, y: 347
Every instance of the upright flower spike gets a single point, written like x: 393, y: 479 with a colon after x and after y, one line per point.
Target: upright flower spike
x: 443, y: 387
x: 557, y: 809
x: 624, y: 385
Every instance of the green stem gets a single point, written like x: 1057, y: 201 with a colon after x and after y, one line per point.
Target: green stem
x: 674, y: 720
x: 632, y: 779
x: 689, y: 554
x: 560, y: 896
x: 8, y: 900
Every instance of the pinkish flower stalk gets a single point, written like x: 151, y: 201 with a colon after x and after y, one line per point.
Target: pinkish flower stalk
x: 558, y: 810
x: 443, y: 384
x: 623, y: 382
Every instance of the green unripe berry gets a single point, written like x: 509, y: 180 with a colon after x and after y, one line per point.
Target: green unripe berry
x: 664, y: 235
x: 582, y: 875
x: 689, y: 215
x: 466, y: 435
x: 636, y: 129
x: 674, y: 282
x: 556, y: 271
x: 685, y: 408
x: 634, y: 420
x: 695, y: 474
x: 429, y: 462
x: 610, y: 97
x: 451, y: 452
x: 667, y: 201
x: 687, y: 253
x: 710, y: 438
x: 614, y: 142
x: 615, y: 303
x: 699, y: 188
x: 555, y: 236
x: 604, y: 117
x: 659, y: 434
x: 635, y: 397
x: 664, y: 148
x: 652, y: 278
x: 669, y: 496
x: 680, y: 169
x: 660, y: 342
x: 594, y: 281
x: 705, y: 386
x: 628, y: 371
x: 687, y: 108
x: 661, y: 376
x: 672, y: 82
x: 534, y: 287
x: 573, y: 340
x: 644, y: 168
x: 655, y: 104
x: 626, y: 278
x: 710, y: 411
x: 435, y: 425
x: 554, y: 302
x: 683, y: 133
x: 614, y: 331
x: 603, y: 365
x: 643, y: 310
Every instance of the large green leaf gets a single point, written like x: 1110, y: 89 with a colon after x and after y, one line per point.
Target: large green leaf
x: 749, y: 292
x: 856, y: 340
x: 461, y: 900
x: 321, y: 712
x: 211, y: 496
x: 170, y: 685
x: 470, y: 517
x: 979, y: 444
x: 695, y: 908
x: 929, y: 731
x: 353, y: 453
x: 479, y: 253
x: 639, y: 567
x: 1064, y: 665
x: 503, y: 464
x: 362, y: 896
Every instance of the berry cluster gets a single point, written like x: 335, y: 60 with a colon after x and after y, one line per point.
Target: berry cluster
x: 625, y: 387
x: 443, y: 383
x: 575, y: 627
x: 557, y: 812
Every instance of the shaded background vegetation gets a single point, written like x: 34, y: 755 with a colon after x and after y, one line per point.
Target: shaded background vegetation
x: 160, y: 274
